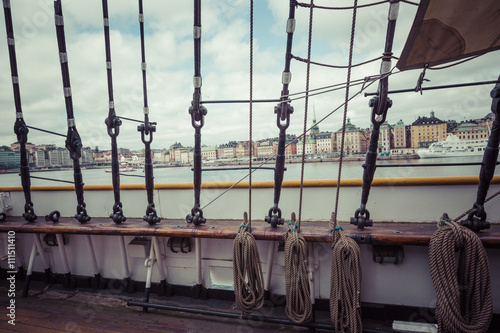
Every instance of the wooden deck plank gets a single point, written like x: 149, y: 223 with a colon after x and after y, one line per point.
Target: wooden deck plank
x: 380, y: 233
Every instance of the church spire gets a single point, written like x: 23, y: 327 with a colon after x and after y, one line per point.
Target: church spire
x: 314, y: 128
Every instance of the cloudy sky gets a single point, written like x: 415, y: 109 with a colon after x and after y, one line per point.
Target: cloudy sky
x: 225, y: 69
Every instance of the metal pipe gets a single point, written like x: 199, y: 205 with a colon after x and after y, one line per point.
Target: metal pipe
x: 93, y: 258
x: 429, y: 164
x: 60, y: 243
x: 124, y: 257
x: 231, y: 315
x: 40, y: 251
x: 197, y: 241
x: 154, y: 240
x: 269, y: 266
x: 30, y: 270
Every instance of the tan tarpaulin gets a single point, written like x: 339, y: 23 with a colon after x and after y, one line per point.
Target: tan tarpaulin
x: 449, y: 30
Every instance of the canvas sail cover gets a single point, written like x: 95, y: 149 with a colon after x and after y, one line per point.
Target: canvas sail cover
x: 449, y: 30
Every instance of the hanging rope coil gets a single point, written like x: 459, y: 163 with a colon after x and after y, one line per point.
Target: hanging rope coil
x: 345, y: 285
x: 298, y: 294
x: 463, y: 293
x: 247, y: 270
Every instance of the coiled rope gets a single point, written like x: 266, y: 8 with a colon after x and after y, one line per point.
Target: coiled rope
x: 298, y: 295
x: 463, y: 293
x: 345, y: 287
x: 247, y: 271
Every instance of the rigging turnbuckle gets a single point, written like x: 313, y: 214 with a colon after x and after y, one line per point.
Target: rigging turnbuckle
x: 151, y: 217
x: 29, y: 213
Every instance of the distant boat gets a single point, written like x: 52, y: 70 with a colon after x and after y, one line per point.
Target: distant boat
x: 454, y: 147
x: 121, y: 170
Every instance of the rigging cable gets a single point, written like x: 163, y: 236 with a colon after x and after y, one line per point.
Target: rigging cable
x: 113, y: 124
x: 463, y: 292
x: 379, y: 106
x: 73, y: 140
x: 147, y: 129
x: 283, y: 111
x: 74, y: 145
x: 20, y: 128
x: 299, y: 307
x: 345, y: 283
x: 197, y: 112
x: 247, y: 269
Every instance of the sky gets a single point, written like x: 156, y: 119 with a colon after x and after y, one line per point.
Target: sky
x: 225, y: 69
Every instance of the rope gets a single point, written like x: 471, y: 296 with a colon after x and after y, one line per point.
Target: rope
x: 308, y: 71
x: 345, y: 312
x: 463, y: 293
x: 301, y: 4
x: 250, y: 146
x: 345, y: 284
x: 247, y: 271
x: 298, y: 300
x: 340, y: 67
x: 469, y: 210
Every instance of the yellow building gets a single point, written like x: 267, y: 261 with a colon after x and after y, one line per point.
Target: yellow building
x: 426, y: 130
x: 471, y: 131
x: 355, y: 139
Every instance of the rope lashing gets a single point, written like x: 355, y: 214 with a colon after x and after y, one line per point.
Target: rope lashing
x: 283, y: 111
x: 147, y: 129
x: 463, y: 293
x: 73, y: 140
x: 247, y: 270
x: 197, y: 112
x: 113, y: 124
x: 345, y: 285
x: 298, y: 295
x: 20, y: 128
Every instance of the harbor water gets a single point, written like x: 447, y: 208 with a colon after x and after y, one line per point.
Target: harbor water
x: 316, y: 170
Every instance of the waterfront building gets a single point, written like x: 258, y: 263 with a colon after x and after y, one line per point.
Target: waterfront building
x: 209, y: 153
x: 324, y: 142
x: 227, y: 150
x: 486, y: 121
x: 290, y: 145
x: 385, y: 139
x: 10, y: 159
x: 402, y: 135
x: 265, y: 148
x: 55, y: 157
x: 426, y: 130
x: 16, y: 146
x: 355, y: 141
x: 469, y: 130
x: 309, y: 146
x: 41, y: 158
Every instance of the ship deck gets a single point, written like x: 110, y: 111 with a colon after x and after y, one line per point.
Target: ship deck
x: 50, y: 309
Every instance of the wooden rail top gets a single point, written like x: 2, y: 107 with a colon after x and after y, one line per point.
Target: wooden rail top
x: 381, y: 233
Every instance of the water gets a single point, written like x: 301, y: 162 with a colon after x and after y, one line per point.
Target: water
x: 320, y: 170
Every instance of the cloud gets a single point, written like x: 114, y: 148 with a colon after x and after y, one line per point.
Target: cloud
x: 224, y: 67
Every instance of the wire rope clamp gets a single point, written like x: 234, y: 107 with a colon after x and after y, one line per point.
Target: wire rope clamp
x: 361, y: 218
x: 274, y: 217
x: 196, y: 217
